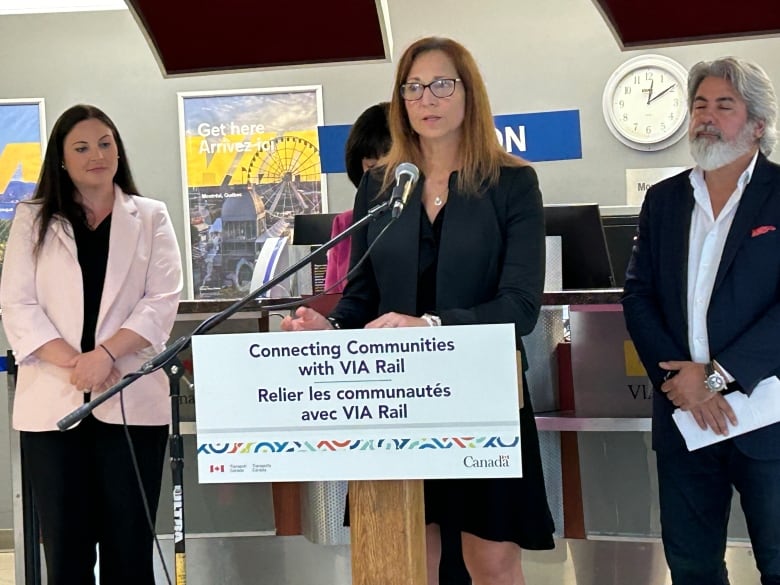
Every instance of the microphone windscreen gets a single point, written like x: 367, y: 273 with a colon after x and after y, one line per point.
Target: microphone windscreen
x: 407, y: 168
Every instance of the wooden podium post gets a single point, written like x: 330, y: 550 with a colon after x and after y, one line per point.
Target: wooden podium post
x: 387, y: 532
x: 387, y: 524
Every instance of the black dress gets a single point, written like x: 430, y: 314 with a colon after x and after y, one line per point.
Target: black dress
x: 498, y: 509
x: 481, y: 261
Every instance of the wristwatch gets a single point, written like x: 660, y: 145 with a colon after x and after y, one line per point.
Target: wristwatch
x: 713, y: 379
x: 431, y: 320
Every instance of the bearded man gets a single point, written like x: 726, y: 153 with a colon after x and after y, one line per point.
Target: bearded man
x: 702, y: 305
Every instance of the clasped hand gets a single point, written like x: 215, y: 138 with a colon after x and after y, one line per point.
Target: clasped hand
x: 93, y: 371
x: 687, y: 391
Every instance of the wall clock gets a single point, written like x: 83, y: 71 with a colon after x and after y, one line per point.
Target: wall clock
x: 645, y: 102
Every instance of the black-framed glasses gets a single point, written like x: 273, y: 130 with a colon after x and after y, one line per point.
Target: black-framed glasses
x: 440, y: 88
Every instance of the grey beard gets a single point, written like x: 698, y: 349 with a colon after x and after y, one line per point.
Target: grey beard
x: 714, y: 155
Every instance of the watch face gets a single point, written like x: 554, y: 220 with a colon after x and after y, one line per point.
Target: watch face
x: 645, y: 102
x: 715, y: 382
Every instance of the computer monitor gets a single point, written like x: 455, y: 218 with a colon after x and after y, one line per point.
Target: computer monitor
x: 312, y: 229
x: 584, y: 252
x: 620, y: 232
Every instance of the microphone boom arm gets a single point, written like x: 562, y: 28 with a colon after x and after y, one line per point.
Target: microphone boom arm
x: 181, y: 343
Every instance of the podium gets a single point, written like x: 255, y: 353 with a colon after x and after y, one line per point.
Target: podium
x: 383, y: 408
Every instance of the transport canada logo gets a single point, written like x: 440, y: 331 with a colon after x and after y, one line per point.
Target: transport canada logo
x: 216, y: 468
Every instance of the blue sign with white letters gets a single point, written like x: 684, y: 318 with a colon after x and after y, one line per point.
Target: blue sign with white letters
x: 542, y: 136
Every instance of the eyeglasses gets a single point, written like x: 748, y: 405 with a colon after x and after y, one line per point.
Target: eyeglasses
x: 440, y: 88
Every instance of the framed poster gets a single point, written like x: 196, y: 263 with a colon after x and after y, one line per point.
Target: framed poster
x: 22, y: 125
x: 250, y: 163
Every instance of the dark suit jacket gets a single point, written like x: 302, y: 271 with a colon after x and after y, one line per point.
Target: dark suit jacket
x: 743, y: 319
x: 491, y: 257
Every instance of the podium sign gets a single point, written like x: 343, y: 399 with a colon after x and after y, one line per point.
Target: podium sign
x: 408, y: 403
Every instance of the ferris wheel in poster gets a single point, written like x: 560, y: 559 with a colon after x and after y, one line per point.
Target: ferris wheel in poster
x: 287, y: 176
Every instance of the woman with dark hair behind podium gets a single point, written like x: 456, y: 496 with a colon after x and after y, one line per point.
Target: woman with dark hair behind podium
x: 89, y: 292
x: 428, y: 272
x: 367, y: 142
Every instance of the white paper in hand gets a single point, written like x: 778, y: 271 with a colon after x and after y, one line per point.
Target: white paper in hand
x: 760, y: 409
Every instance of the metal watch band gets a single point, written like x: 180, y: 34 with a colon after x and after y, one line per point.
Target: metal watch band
x: 714, y: 381
x: 432, y: 320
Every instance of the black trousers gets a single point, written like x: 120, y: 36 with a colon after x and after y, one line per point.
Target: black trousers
x: 695, y: 490
x: 86, y: 494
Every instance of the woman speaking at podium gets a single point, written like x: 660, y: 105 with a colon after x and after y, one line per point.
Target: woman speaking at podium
x: 90, y: 288
x: 468, y: 249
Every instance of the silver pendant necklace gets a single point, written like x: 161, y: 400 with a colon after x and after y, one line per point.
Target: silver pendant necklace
x: 437, y: 201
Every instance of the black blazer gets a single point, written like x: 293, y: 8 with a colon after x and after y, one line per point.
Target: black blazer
x: 491, y: 257
x: 743, y: 319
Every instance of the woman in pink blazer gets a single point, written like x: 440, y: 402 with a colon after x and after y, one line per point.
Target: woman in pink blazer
x: 90, y: 287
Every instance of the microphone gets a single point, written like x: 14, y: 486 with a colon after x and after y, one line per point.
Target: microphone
x: 406, y: 175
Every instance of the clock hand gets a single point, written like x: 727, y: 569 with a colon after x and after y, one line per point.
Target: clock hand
x: 650, y: 92
x: 662, y: 93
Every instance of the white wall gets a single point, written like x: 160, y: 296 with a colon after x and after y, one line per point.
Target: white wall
x: 536, y: 55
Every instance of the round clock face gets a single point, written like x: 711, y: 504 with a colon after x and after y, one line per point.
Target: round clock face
x: 645, y: 103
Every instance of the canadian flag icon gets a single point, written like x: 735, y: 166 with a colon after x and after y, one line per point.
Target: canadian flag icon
x: 216, y: 468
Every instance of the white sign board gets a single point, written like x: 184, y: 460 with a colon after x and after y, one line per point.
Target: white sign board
x: 407, y: 403
x: 638, y: 181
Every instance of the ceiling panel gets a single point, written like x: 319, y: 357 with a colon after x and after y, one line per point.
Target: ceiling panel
x: 192, y: 36
x: 637, y: 23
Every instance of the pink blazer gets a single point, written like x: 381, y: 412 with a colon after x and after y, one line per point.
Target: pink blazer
x: 338, y: 255
x: 42, y: 299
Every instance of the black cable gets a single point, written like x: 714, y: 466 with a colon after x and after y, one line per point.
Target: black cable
x: 177, y: 346
x: 140, y: 481
x: 363, y: 258
x: 207, y: 324
x: 134, y: 459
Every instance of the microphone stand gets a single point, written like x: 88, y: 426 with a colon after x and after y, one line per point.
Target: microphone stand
x: 175, y: 372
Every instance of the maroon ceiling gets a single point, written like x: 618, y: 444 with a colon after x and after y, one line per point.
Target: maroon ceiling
x: 642, y: 23
x: 192, y: 36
